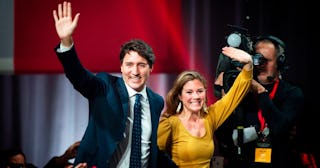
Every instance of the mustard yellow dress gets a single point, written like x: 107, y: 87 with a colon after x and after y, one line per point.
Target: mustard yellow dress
x: 189, y: 151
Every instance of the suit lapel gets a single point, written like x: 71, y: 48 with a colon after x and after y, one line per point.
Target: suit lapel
x: 152, y: 109
x: 124, y: 98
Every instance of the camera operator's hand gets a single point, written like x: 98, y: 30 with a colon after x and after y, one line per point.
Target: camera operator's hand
x: 256, y: 87
x: 240, y: 56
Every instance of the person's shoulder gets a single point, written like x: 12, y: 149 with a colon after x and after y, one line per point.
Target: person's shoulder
x: 170, y: 120
x: 108, y: 76
x: 174, y: 120
x: 30, y: 165
x: 290, y: 84
x: 150, y: 92
x: 292, y: 87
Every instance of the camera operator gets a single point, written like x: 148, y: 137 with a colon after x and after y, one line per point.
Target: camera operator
x: 271, y: 109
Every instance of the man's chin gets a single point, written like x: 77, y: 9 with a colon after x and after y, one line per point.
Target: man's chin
x: 136, y: 86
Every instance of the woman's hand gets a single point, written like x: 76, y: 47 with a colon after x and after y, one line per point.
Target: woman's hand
x: 239, y: 55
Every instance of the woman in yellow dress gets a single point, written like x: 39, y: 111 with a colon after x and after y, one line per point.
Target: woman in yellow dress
x: 187, y: 125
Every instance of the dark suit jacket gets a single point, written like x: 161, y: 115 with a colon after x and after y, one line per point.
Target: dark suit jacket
x: 108, y: 110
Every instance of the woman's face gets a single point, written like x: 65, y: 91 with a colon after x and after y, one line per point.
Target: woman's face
x: 193, y: 96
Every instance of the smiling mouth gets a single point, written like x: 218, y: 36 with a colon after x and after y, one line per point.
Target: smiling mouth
x: 135, y: 79
x: 196, y: 103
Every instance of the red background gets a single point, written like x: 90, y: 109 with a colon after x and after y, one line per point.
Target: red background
x: 102, y: 28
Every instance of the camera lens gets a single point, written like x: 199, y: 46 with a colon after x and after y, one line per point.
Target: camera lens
x: 258, y: 59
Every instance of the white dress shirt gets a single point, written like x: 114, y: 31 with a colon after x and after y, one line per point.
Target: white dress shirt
x: 146, y: 129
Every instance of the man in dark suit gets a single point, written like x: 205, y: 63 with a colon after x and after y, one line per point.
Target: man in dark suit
x: 106, y: 142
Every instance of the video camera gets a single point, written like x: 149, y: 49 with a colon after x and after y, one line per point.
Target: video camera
x: 241, y: 39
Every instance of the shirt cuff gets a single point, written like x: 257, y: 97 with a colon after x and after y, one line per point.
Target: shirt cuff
x: 63, y: 48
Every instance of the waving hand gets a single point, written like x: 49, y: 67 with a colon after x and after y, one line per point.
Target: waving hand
x: 64, y: 24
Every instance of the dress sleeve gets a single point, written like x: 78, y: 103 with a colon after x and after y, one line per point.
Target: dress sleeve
x: 223, y: 108
x: 164, y: 134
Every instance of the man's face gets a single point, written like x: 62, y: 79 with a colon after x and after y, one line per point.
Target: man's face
x: 269, y: 69
x: 135, y: 70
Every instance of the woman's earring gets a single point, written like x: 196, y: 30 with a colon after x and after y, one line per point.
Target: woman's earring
x: 179, y: 107
x: 205, y: 108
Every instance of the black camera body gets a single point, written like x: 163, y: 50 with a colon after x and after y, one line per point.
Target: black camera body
x: 241, y: 39
x: 257, y: 60
x: 238, y: 38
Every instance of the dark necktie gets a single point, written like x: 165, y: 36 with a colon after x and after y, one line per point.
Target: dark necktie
x: 135, y: 158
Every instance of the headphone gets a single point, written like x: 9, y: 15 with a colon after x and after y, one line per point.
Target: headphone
x: 280, y: 46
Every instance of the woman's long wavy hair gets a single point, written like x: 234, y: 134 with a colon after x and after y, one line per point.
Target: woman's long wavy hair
x: 172, y: 98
